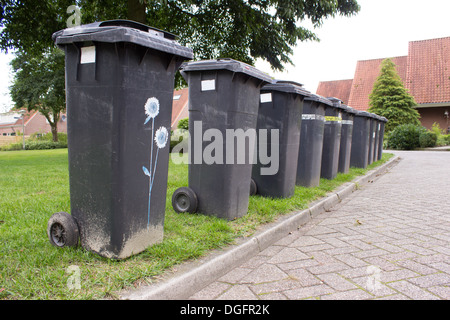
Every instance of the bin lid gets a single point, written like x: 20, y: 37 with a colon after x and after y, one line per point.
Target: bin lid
x: 374, y: 116
x: 318, y: 98
x: 349, y: 109
x: 360, y: 113
x: 287, y: 86
x: 384, y: 119
x: 337, y: 103
x: 114, y: 31
x: 380, y: 118
x: 225, y: 64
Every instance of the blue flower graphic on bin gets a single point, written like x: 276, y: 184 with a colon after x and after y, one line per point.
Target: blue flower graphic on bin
x: 160, y: 139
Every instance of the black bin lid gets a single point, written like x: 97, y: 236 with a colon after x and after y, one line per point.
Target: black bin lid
x: 320, y: 99
x: 360, y: 113
x: 225, y: 64
x: 287, y: 86
x: 114, y: 31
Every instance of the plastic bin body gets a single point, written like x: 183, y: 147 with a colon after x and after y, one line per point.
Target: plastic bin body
x: 381, y: 138
x: 280, y: 109
x: 360, y: 140
x: 223, y: 96
x: 311, y: 141
x: 331, y: 142
x: 346, y: 139
x: 112, y: 69
x: 372, y: 137
x: 376, y: 141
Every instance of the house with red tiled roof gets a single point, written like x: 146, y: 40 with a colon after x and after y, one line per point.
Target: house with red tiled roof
x: 339, y: 88
x: 179, y: 106
x: 12, y: 123
x: 425, y: 72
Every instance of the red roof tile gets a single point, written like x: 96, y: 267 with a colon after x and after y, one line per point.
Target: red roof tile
x: 425, y: 73
x: 367, y: 71
x: 339, y: 89
x: 179, y: 106
x: 428, y: 75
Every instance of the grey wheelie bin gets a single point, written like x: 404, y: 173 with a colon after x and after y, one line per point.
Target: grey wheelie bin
x: 360, y: 140
x: 223, y: 109
x: 119, y: 89
x: 346, y: 139
x: 331, y: 141
x: 372, y: 137
x: 377, y: 137
x: 381, y: 139
x: 311, y: 140
x: 279, y: 116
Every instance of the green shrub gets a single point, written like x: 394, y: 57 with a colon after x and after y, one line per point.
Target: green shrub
x: 62, y: 137
x: 35, y: 145
x: 405, y: 137
x: 436, y: 128
x: 179, y: 136
x: 427, y: 139
x: 43, y: 145
x: 183, y: 124
x: 443, y: 140
x: 12, y: 147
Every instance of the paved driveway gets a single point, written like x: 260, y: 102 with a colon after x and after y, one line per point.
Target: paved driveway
x: 388, y: 240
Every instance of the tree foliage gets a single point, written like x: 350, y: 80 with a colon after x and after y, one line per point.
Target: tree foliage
x: 390, y: 99
x: 241, y: 29
x: 244, y: 30
x: 39, y: 84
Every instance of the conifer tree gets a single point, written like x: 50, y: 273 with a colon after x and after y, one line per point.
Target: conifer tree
x: 390, y: 99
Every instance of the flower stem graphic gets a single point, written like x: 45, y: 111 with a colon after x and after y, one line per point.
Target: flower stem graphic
x: 160, y: 138
x: 151, y: 183
x: 151, y: 110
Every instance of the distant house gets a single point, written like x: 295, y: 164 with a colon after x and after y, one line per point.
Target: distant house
x: 425, y: 72
x: 179, y: 106
x: 11, y: 123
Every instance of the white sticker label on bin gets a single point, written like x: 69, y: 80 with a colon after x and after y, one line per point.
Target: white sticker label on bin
x: 313, y: 117
x: 266, y: 97
x: 87, y: 55
x: 208, y: 85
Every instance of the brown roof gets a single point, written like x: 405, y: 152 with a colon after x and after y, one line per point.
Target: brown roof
x: 425, y: 73
x: 428, y: 75
x: 339, y: 89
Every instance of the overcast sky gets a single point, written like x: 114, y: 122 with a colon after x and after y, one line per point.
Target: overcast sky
x: 381, y: 29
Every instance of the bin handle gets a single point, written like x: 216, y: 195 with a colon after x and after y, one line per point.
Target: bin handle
x: 135, y: 25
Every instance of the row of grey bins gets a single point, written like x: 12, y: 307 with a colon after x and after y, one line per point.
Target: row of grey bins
x: 119, y: 93
x: 316, y: 138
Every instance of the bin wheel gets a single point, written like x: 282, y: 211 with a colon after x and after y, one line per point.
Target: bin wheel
x: 184, y: 199
x: 253, y: 187
x: 62, y: 230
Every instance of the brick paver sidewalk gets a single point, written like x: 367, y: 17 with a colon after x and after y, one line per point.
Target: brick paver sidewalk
x: 388, y: 240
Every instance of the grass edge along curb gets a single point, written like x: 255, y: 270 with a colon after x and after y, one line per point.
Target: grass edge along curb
x: 37, y: 186
x: 195, y: 275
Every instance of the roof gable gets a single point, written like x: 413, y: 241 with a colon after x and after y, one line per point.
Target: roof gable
x: 425, y: 72
x: 337, y: 88
x: 367, y: 71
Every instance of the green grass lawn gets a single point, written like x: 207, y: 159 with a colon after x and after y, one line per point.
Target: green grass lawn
x: 35, y: 184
